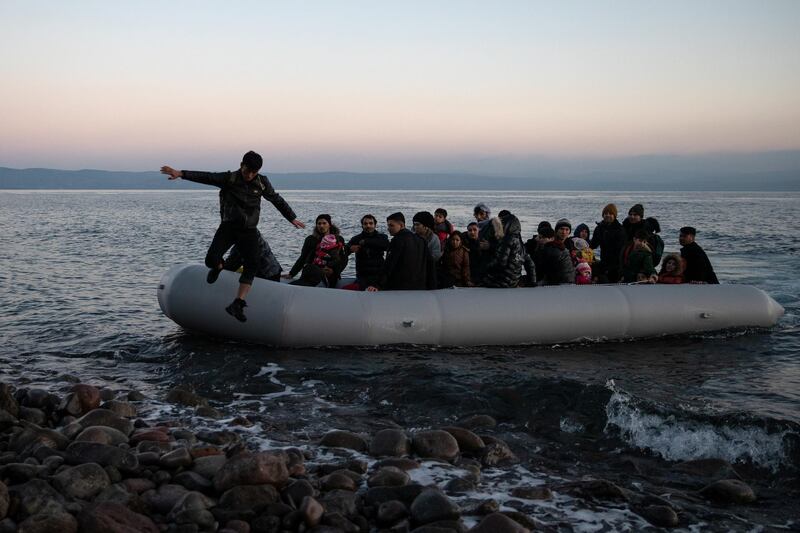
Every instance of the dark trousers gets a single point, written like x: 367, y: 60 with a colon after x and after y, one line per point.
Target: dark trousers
x: 246, y: 239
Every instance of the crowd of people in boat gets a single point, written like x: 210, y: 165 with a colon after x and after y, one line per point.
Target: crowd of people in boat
x: 490, y: 252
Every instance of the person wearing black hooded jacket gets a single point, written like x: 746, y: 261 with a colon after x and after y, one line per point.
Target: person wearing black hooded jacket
x: 609, y: 236
x: 553, y: 262
x: 240, y: 194
x: 408, y: 265
x: 504, y: 269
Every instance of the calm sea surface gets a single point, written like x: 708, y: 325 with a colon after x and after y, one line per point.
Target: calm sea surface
x: 78, y: 281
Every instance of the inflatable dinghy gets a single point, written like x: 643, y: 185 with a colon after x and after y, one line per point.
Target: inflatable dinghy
x: 279, y: 314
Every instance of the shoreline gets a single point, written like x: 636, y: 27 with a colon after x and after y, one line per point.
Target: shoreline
x: 96, y: 459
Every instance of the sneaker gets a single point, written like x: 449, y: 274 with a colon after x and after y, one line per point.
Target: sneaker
x: 213, y: 274
x: 236, y: 310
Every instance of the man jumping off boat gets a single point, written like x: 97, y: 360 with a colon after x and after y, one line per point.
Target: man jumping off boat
x: 239, y: 206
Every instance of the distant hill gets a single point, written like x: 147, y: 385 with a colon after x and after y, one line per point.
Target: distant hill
x: 656, y: 177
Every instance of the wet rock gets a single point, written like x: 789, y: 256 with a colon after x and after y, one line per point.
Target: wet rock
x: 498, y: 523
x: 138, y: 485
x: 102, y: 435
x: 356, y: 466
x: 485, y: 507
x: 136, y: 396
x: 36, y: 398
x: 104, y: 417
x: 57, y: 520
x: 158, y: 434
x: 53, y: 462
x: 148, y: 458
x: 83, y: 399
x: 163, y: 499
x: 460, y: 485
x: 208, y: 412
x: 344, y: 439
x: 152, y: 446
x: 193, y: 481
x: 117, y: 493
x: 340, y: 501
x: 436, y: 444
x: 184, y: 435
x: 254, y: 498
x: 208, y: 466
x: 450, y: 526
x: 241, y: 421
x: 599, y: 489
x: 388, y: 476
x: 660, y: 515
x: 83, y: 481
x: 102, y: 454
x: 727, y: 491
x: 32, y: 415
x: 266, y: 524
x: 468, y: 442
x: 391, y: 512
x: 707, y: 469
x: 338, y: 481
x: 477, y: 421
x: 179, y: 458
x: 36, y: 496
x: 107, y: 394
x: 123, y: 409
x: 390, y: 442
x: 218, y: 438
x: 181, y: 395
x: 192, y: 508
x: 237, y: 526
x: 294, y: 493
x: 406, y: 494
x: 532, y: 493
x: 7, y: 420
x: 112, y: 517
x: 312, y: 511
x: 403, y: 463
x: 496, y: 452
x: 252, y: 469
x: 7, y: 401
x: 29, y: 439
x: 204, y: 450
x: 4, y: 500
x: 21, y: 472
x: 160, y: 477
x: 432, y: 506
x: 338, y: 523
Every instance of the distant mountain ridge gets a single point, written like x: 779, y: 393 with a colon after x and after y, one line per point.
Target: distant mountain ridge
x: 659, y: 177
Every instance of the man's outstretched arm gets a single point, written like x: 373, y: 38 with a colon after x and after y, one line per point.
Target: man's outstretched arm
x: 216, y: 179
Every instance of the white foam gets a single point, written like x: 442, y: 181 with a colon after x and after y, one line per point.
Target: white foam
x: 683, y: 440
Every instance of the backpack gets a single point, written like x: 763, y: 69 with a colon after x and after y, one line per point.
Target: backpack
x: 657, y: 245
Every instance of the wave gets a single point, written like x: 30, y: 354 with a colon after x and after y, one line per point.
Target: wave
x: 675, y: 437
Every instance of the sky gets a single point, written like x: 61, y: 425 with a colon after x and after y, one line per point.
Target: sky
x: 393, y: 86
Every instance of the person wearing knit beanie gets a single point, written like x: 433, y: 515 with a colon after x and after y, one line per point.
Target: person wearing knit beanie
x: 637, y: 209
x: 563, y: 229
x: 423, y: 226
x: 425, y: 218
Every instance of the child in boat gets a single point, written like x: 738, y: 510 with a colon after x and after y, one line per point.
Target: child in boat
x: 637, y: 260
x: 442, y: 227
x: 671, y: 269
x: 454, y: 266
x: 583, y: 274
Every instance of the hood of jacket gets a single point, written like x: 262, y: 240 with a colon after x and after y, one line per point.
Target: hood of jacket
x: 678, y: 260
x: 511, y: 225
